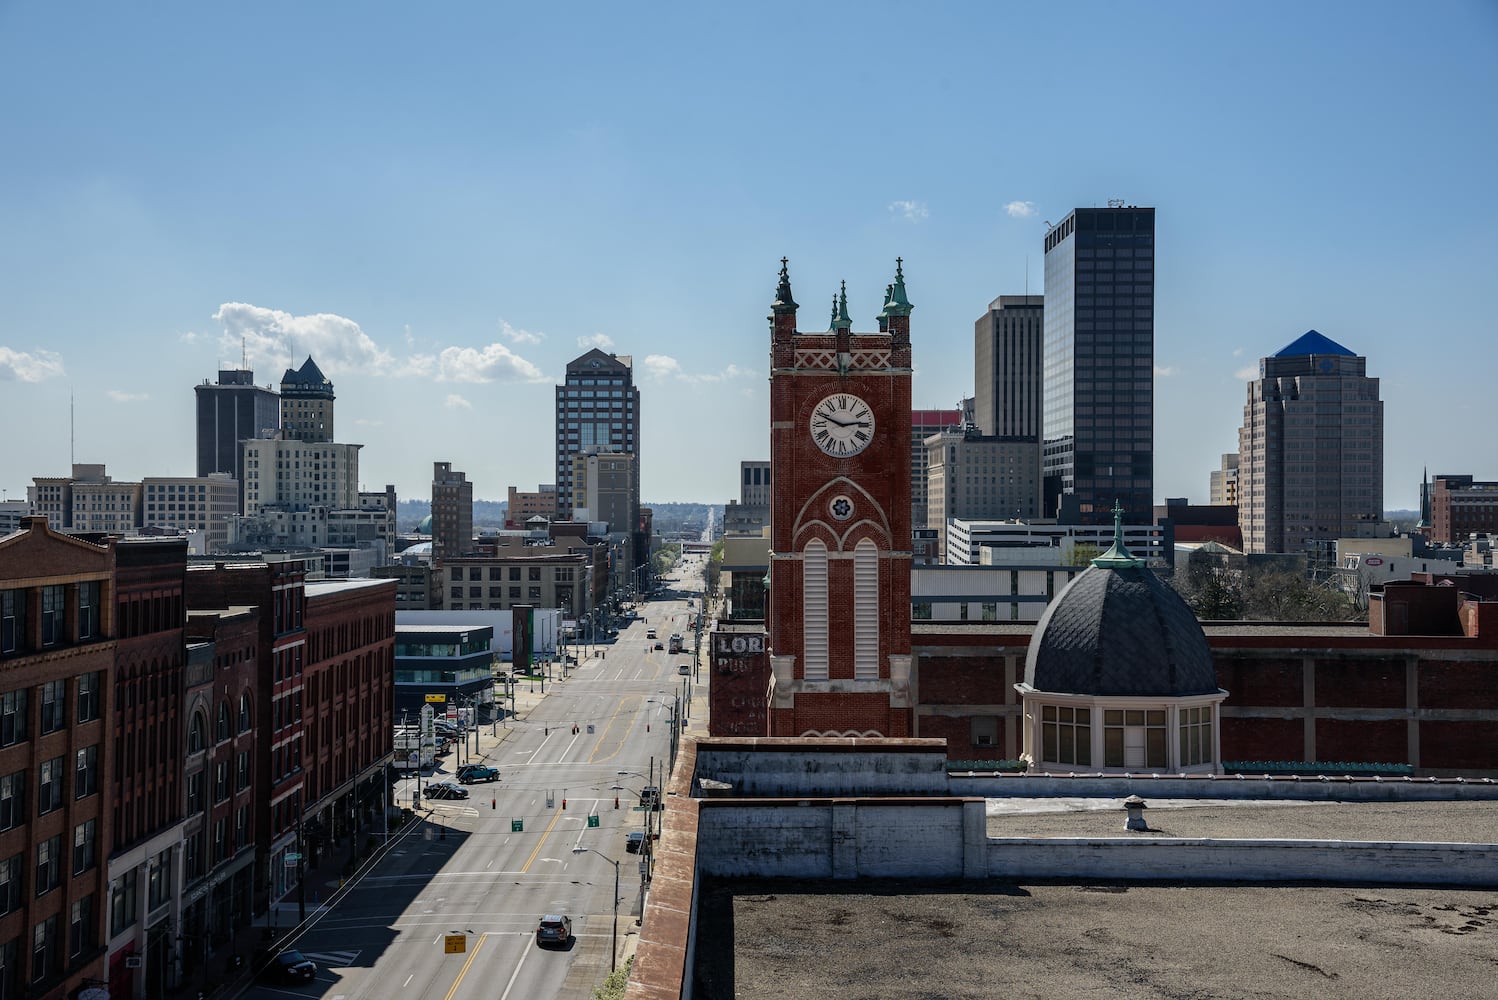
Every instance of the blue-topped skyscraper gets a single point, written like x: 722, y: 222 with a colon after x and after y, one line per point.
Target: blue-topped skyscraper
x: 1311, y: 449
x: 1099, y: 393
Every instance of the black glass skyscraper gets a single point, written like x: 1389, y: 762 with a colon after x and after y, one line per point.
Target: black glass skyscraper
x: 1099, y: 392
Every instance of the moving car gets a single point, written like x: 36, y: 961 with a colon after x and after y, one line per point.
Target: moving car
x: 470, y: 773
x: 660, y: 646
x: 289, y: 967
x: 554, y: 929
x: 633, y: 841
x: 650, y: 633
x: 445, y: 790
x: 650, y: 797
x: 685, y: 669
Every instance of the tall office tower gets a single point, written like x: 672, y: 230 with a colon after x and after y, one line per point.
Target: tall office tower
x: 229, y: 413
x: 452, y: 512
x: 1222, y: 487
x: 306, y: 404
x: 754, y: 483
x: 1311, y: 449
x: 598, y: 409
x: 1008, y: 357
x: 1099, y: 393
x: 923, y: 424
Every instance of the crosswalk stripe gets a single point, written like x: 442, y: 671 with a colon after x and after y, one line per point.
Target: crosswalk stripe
x: 332, y: 958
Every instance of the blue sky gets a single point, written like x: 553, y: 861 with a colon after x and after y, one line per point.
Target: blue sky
x: 444, y: 203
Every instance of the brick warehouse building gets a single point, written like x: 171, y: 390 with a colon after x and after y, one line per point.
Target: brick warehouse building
x: 1419, y: 685
x: 57, y: 653
x: 839, y: 597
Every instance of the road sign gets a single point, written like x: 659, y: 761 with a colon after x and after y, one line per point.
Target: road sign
x: 292, y: 860
x: 517, y: 826
x: 593, y: 820
x: 455, y: 944
x: 440, y: 699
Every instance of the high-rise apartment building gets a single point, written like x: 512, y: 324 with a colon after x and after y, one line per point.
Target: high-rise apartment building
x: 1008, y: 359
x: 1311, y: 448
x: 306, y: 404
x: 300, y: 474
x: 923, y: 424
x: 598, y: 410
x: 452, y: 512
x: 230, y: 412
x: 603, y: 489
x: 1099, y: 391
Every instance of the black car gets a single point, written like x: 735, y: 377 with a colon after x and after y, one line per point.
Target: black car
x: 289, y: 967
x: 633, y: 841
x: 445, y: 790
x: 554, y: 929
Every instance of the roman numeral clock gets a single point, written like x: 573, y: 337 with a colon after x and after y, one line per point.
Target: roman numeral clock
x: 838, y: 619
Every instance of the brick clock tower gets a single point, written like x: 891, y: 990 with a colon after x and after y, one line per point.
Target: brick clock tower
x: 839, y: 601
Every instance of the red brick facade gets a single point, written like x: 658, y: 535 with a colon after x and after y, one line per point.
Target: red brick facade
x: 840, y: 500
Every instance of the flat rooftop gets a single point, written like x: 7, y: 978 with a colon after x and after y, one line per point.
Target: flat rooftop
x: 1250, y: 819
x: 897, y: 940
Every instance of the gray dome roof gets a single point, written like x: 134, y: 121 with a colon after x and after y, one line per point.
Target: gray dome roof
x: 1117, y: 630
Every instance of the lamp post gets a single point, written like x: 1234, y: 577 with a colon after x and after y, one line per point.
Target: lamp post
x: 613, y: 951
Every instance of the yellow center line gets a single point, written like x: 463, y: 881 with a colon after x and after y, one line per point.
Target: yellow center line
x: 593, y: 757
x: 526, y: 868
x: 464, y: 971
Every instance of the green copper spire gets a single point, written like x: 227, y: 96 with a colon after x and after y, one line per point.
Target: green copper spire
x: 1118, y: 556
x: 783, y: 301
x: 899, y: 305
x: 889, y: 301
x: 832, y: 320
x: 842, y: 321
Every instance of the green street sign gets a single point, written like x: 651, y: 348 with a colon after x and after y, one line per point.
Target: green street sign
x: 593, y: 820
x: 517, y: 826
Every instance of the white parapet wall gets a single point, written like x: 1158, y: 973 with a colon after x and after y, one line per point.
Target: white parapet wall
x: 1192, y: 860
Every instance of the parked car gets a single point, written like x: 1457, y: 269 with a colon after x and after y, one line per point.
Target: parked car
x: 685, y: 669
x: 471, y: 773
x: 660, y: 646
x: 554, y: 929
x: 445, y: 790
x: 289, y: 967
x: 633, y: 841
x: 650, y: 797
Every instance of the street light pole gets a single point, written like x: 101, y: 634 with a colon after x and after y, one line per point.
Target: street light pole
x: 614, y: 950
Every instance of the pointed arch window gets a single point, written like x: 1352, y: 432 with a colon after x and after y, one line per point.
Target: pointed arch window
x: 814, y: 610
x: 197, y: 734
x: 866, y: 610
x: 221, y: 731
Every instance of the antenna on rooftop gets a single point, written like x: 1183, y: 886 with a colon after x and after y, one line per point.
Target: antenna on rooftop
x: 1115, y: 203
x: 72, y: 437
x: 244, y: 354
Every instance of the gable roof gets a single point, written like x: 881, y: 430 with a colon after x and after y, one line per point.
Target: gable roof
x: 1310, y: 343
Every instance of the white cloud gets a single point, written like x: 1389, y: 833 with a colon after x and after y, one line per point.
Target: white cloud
x: 1020, y: 209
x: 279, y: 339
x: 910, y: 211
x: 517, y: 336
x: 602, y: 341
x: 127, y: 397
x: 661, y: 365
x: 456, y: 402
x: 1247, y: 374
x: 367, y: 422
x: 1237, y: 352
x: 1165, y: 371
x: 494, y: 363
x: 190, y: 337
x: 731, y: 372
x: 18, y: 365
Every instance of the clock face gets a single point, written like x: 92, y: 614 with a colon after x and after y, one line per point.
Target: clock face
x: 842, y: 425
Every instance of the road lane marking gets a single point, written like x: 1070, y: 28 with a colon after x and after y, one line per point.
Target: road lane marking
x: 608, y: 726
x: 464, y: 971
x: 515, y: 975
x: 526, y: 868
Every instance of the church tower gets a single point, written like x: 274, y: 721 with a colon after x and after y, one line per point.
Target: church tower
x: 839, y: 601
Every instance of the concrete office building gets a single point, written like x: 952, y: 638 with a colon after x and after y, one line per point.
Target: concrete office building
x: 523, y: 505
x: 1461, y: 507
x: 751, y: 512
x: 1008, y: 358
x: 923, y: 424
x: 973, y: 476
x: 1223, y: 485
x: 90, y: 501
x: 597, y: 409
x: 452, y: 512
x: 299, y: 474
x: 1311, y: 449
x: 230, y: 412
x: 603, y: 489
x: 1099, y: 394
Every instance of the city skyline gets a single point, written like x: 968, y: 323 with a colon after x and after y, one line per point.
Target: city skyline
x: 443, y: 208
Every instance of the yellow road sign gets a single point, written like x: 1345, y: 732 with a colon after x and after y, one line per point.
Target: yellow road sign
x: 437, y: 697
x: 455, y: 944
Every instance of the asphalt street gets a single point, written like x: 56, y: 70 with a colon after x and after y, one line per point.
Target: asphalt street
x: 451, y: 911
